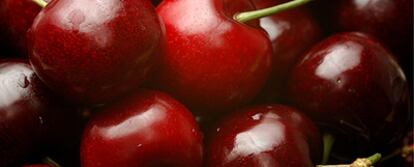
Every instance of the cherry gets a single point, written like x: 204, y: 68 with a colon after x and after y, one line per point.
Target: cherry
x: 94, y: 51
x: 291, y: 33
x: 355, y: 89
x: 30, y: 116
x: 146, y: 129
x: 211, y: 62
x: 270, y: 135
x: 394, y: 17
x: 16, y: 17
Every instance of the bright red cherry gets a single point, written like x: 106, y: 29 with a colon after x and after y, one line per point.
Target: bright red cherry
x: 31, y: 118
x: 212, y: 62
x: 355, y: 89
x: 291, y: 33
x: 16, y: 18
x: 271, y: 135
x: 146, y: 129
x: 95, y: 51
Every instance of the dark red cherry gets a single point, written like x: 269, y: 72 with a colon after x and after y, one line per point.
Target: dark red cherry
x: 272, y: 135
x: 31, y: 118
x: 16, y: 17
x: 212, y: 63
x: 291, y: 32
x: 93, y: 51
x: 355, y: 89
x: 391, y: 21
x: 146, y: 129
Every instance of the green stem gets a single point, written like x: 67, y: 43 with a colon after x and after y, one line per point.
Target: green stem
x: 374, y: 158
x: 360, y: 162
x: 328, y: 142
x: 256, y: 14
x: 41, y: 3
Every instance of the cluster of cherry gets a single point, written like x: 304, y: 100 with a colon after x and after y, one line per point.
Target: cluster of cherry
x: 216, y: 83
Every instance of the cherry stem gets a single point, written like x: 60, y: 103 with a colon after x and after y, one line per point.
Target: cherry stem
x: 51, y: 162
x: 41, y: 3
x: 404, y: 151
x: 360, y: 162
x: 256, y: 14
x: 328, y: 142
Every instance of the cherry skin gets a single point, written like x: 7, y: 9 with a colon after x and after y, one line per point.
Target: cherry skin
x: 394, y: 17
x: 270, y: 135
x: 16, y: 18
x: 94, y: 51
x: 354, y: 89
x: 212, y: 63
x: 146, y: 129
x: 30, y: 116
x: 291, y: 32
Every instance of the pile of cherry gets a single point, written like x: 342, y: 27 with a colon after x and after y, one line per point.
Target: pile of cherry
x: 191, y: 83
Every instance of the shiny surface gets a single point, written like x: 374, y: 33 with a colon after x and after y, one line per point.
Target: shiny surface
x: 147, y: 129
x: 16, y: 17
x: 212, y: 63
x: 95, y: 51
x: 27, y: 114
x: 353, y: 87
x: 292, y: 33
x: 272, y: 135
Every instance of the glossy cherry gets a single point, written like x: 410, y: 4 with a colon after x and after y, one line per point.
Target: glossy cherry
x: 16, y: 17
x: 355, y: 89
x: 30, y: 116
x: 94, y: 51
x: 212, y: 62
x: 146, y: 129
x: 291, y: 33
x: 394, y: 17
x: 271, y: 135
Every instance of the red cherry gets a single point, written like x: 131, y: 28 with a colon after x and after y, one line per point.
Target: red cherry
x: 94, y: 51
x: 291, y: 33
x: 272, y: 135
x: 30, y: 116
x: 355, y: 89
x: 389, y: 20
x: 212, y: 62
x: 147, y: 129
x: 16, y: 17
